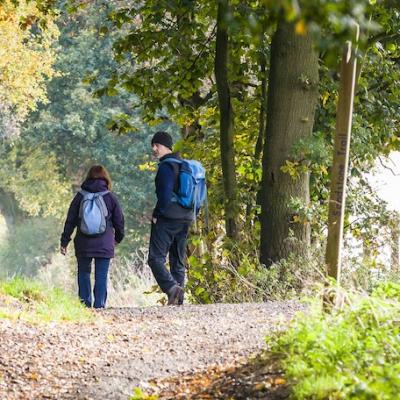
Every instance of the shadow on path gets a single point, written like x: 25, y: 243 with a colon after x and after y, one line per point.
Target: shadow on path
x: 256, y: 378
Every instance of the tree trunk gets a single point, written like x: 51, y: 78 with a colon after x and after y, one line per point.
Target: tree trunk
x: 262, y: 119
x: 292, y: 98
x: 226, y: 121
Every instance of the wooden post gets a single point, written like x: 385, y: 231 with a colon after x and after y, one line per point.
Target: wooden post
x: 340, y: 167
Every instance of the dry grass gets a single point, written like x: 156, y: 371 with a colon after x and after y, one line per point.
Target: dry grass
x: 131, y: 282
x: 130, y: 278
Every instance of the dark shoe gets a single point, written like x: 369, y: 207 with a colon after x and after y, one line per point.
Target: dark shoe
x: 174, y: 294
x: 181, y: 297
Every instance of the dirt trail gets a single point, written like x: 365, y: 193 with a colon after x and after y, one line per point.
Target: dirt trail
x: 127, y: 347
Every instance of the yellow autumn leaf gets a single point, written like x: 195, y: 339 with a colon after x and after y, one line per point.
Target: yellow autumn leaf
x: 323, y: 169
x: 291, y: 168
x: 148, y: 166
x: 33, y: 376
x: 325, y: 97
x: 111, y: 338
x: 260, y: 386
x: 300, y: 27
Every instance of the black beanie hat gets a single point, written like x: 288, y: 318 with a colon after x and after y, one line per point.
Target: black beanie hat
x: 163, y: 138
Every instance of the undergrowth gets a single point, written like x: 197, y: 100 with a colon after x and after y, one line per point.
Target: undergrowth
x: 21, y: 298
x: 351, y: 353
x: 236, y: 276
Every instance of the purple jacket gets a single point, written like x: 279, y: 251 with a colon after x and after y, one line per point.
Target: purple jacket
x: 101, y: 246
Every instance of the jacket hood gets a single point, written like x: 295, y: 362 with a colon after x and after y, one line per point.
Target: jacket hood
x: 94, y: 185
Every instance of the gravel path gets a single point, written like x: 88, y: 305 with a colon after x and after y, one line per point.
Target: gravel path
x: 125, y: 348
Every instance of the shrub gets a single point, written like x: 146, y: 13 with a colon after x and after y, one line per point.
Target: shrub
x: 234, y: 274
x: 29, y: 247
x: 352, y: 353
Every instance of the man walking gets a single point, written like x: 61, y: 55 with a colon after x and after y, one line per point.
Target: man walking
x: 170, y: 223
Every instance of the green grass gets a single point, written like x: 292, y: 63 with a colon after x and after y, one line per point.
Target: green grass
x: 352, y: 353
x: 138, y: 394
x: 31, y: 301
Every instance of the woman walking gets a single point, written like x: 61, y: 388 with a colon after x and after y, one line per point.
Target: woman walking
x: 99, y: 220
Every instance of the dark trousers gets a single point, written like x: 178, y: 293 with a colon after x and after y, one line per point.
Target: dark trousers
x: 100, y: 280
x: 168, y: 236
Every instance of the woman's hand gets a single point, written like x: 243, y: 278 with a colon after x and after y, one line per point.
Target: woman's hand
x: 63, y: 250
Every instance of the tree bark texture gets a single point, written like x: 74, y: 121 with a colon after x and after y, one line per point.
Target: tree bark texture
x: 226, y: 121
x: 292, y: 98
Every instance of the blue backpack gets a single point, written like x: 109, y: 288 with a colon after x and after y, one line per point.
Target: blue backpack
x: 93, y: 213
x: 191, y: 192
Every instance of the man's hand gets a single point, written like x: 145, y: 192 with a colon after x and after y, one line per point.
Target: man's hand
x: 63, y: 250
x: 154, y: 220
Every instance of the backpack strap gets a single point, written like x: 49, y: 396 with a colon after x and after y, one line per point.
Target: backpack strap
x: 176, y: 165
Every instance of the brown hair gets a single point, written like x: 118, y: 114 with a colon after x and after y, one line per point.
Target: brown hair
x: 99, y: 172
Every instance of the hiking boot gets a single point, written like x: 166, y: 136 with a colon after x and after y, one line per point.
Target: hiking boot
x: 181, y: 296
x: 174, y: 294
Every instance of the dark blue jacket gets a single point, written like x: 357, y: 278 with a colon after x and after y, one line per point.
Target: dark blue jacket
x: 101, y: 246
x: 166, y: 182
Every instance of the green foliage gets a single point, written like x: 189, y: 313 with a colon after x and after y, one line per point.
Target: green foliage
x: 169, y: 71
x: 155, y: 60
x: 32, y: 175
x: 293, y: 277
x: 37, y: 303
x: 174, y: 78
x: 28, y: 247
x: 232, y: 273
x: 375, y: 117
x: 140, y: 395
x: 27, y: 55
x: 352, y: 353
x: 70, y: 133
x: 167, y: 77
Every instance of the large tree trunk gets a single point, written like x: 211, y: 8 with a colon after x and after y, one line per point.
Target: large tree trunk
x: 292, y: 97
x: 226, y: 121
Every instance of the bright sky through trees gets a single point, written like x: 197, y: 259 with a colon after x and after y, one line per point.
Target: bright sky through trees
x: 386, y: 180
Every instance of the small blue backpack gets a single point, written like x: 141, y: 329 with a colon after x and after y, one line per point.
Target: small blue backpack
x: 191, y: 192
x: 93, y: 213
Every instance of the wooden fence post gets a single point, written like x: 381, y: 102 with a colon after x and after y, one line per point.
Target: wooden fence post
x: 340, y: 167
